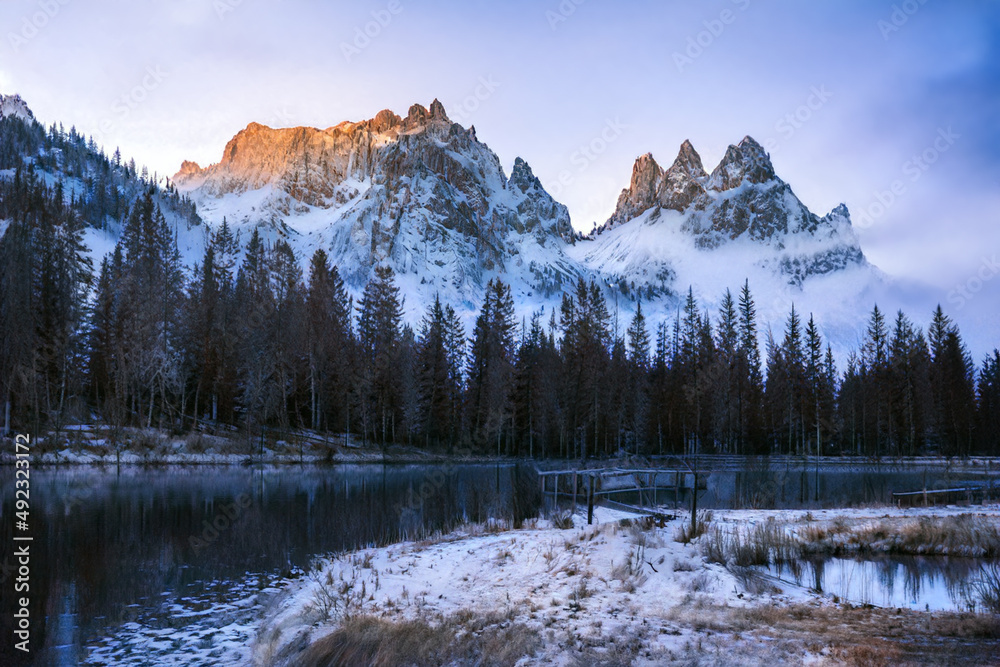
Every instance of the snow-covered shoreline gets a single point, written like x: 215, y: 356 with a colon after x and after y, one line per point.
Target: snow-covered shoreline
x: 91, y: 446
x: 587, y: 593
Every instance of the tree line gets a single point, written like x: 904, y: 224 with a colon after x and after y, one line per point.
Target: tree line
x: 247, y: 340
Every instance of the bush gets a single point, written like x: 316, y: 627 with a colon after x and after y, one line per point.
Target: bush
x: 562, y: 520
x: 764, y: 544
x: 686, y: 533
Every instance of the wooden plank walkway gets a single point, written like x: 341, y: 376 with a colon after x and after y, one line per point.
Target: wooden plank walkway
x: 963, y: 495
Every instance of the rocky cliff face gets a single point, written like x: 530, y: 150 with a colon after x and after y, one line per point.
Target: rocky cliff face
x: 420, y: 193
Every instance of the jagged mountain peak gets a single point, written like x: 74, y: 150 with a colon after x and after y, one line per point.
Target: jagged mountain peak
x: 437, y: 111
x: 12, y: 106
x: 683, y: 183
x: 746, y: 161
x: 384, y: 121
x: 689, y: 161
x: 742, y: 204
x: 522, y: 177
x: 420, y: 193
x: 641, y: 192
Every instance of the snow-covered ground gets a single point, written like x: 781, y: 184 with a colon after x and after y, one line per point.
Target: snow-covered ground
x: 589, y: 592
x: 92, y: 445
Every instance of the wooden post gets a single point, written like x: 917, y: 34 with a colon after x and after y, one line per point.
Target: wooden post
x: 556, y: 502
x: 677, y: 488
x: 694, y: 504
x: 574, y: 491
x: 590, y: 501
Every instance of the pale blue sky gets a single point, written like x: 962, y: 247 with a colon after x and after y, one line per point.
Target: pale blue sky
x: 174, y: 80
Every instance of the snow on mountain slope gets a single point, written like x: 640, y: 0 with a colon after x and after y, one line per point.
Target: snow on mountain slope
x: 12, y: 106
x: 102, y: 190
x: 424, y: 195
x: 683, y: 227
x: 420, y: 193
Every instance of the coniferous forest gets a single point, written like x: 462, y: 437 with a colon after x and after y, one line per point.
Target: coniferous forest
x: 245, y: 341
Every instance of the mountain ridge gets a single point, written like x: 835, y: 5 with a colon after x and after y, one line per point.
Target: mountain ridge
x: 425, y: 196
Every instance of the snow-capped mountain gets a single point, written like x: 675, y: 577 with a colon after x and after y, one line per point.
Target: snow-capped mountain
x: 101, y: 189
x: 741, y: 202
x: 426, y: 196
x: 12, y: 106
x: 420, y: 193
x: 683, y: 227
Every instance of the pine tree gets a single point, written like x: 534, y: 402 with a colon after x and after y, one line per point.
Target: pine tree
x: 380, y: 315
x: 952, y: 382
x: 257, y: 357
x: 786, y: 386
x: 750, y: 383
x: 149, y: 299
x: 988, y: 408
x: 491, y: 365
x: 637, y: 391
x: 908, y: 386
x: 725, y: 374
x: 329, y: 344
x: 585, y: 352
x: 819, y: 386
x: 439, y: 375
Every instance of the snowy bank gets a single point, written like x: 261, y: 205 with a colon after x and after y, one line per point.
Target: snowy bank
x: 623, y: 591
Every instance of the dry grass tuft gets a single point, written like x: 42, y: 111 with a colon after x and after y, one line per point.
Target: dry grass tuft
x: 685, y: 533
x: 876, y: 654
x: 463, y: 638
x: 764, y: 544
x: 962, y: 535
x: 562, y: 520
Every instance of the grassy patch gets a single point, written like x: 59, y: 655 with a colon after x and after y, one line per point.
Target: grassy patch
x: 764, y: 544
x: 462, y: 638
x: 962, y: 535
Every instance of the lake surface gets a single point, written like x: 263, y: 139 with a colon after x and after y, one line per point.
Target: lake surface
x: 171, y: 565
x: 793, y: 484
x: 933, y: 583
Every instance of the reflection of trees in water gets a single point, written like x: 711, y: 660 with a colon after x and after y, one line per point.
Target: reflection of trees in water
x: 758, y: 486
x: 129, y: 539
x: 877, y: 580
x: 762, y: 483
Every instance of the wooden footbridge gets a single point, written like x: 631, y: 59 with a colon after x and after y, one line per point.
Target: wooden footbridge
x: 966, y: 495
x: 646, y: 488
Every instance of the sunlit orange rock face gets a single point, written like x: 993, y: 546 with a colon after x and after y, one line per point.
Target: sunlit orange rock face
x: 411, y: 191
